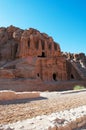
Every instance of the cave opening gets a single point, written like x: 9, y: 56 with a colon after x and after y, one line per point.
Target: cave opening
x: 72, y: 76
x: 54, y: 76
x: 38, y: 74
x: 42, y: 55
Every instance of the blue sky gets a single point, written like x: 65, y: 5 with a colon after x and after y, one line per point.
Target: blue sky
x: 64, y: 20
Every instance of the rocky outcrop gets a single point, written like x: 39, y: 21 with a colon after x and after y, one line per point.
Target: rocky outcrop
x: 15, y: 42
x: 30, y: 54
x: 78, y: 62
x: 35, y: 55
x: 75, y: 57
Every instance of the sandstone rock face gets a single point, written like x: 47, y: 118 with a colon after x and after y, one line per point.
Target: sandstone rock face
x: 23, y: 43
x: 6, y: 74
x: 34, y: 55
x: 76, y: 62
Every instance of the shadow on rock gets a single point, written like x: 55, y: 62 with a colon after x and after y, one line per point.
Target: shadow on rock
x: 21, y: 101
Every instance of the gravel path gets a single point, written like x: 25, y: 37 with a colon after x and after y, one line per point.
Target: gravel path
x: 12, y: 111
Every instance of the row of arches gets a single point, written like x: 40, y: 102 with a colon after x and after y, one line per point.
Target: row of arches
x: 54, y: 76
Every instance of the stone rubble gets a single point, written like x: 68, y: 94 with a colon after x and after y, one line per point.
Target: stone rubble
x: 63, y: 120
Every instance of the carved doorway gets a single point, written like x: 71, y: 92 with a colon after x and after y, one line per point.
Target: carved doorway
x: 43, y: 54
x: 72, y: 77
x: 54, y: 76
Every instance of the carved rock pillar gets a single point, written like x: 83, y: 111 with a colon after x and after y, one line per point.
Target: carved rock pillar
x: 46, y: 48
x: 31, y: 42
x: 23, y: 48
x: 53, y: 50
x: 40, y: 48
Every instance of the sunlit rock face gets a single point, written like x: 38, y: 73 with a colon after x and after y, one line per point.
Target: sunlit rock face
x: 31, y: 54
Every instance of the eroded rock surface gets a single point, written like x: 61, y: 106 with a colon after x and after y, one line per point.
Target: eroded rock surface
x: 35, y: 55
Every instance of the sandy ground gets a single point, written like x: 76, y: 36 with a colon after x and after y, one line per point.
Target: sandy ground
x: 12, y: 111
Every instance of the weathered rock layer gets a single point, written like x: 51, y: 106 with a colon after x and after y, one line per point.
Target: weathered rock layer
x: 34, y: 55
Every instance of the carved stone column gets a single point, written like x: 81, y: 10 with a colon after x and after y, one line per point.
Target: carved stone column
x: 23, y: 48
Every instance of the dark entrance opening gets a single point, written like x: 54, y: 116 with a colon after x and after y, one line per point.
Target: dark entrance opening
x: 43, y: 55
x: 38, y: 74
x: 16, y: 48
x: 43, y: 44
x: 54, y: 76
x: 14, y: 54
x: 28, y: 43
x: 72, y: 77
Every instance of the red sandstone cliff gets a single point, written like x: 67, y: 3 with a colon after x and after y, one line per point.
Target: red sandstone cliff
x: 34, y: 55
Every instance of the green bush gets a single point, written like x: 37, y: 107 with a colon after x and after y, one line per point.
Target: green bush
x: 78, y: 87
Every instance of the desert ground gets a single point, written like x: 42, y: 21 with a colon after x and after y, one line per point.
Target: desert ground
x: 48, y: 102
